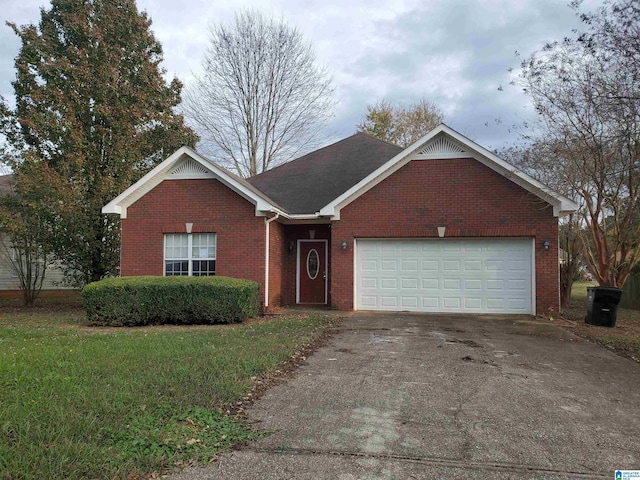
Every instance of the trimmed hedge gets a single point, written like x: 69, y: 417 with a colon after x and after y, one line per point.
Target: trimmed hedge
x: 132, y: 301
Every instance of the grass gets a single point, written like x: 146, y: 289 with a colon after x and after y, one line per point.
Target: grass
x: 624, y: 339
x: 80, y: 402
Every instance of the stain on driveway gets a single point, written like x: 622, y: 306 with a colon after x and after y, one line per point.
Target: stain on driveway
x: 435, y: 396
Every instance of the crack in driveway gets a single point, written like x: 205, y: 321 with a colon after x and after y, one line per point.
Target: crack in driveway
x: 440, y: 461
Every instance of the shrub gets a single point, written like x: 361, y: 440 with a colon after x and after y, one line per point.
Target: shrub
x: 131, y: 301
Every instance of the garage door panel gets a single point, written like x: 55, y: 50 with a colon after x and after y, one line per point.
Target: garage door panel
x: 388, y: 301
x: 388, y: 265
x: 430, y: 303
x: 495, y: 303
x: 472, y: 265
x: 451, y: 265
x: 409, y: 265
x: 452, y: 303
x: 519, y: 304
x: 409, y: 247
x: 472, y: 275
x: 451, y: 284
x: 389, y: 283
x: 409, y: 302
x: 430, y: 284
x: 473, y: 285
x: 495, y: 284
x: 369, y: 265
x: 517, y: 286
x: 430, y: 265
x: 471, y: 303
x: 409, y: 283
x: 370, y: 283
x: 369, y: 301
x: 517, y: 266
x: 494, y: 265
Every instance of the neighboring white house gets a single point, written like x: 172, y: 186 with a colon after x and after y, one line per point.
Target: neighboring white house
x: 8, y: 276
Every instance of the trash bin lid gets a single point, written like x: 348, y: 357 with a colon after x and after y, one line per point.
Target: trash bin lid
x: 606, y: 289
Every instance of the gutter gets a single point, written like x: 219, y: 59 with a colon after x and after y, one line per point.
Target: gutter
x: 267, y: 221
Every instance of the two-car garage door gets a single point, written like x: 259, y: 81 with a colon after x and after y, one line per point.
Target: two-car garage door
x: 445, y: 275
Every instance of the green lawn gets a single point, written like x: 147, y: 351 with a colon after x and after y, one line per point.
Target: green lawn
x: 79, y: 402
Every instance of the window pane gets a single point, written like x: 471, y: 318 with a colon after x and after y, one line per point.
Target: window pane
x: 313, y: 264
x: 176, y: 246
x: 173, y: 268
x: 204, y: 245
x: 203, y: 268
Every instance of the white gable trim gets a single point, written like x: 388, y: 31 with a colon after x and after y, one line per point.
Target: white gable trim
x: 184, y: 163
x: 441, y: 143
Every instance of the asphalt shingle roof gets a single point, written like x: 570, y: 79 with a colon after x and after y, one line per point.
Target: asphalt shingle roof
x: 307, y: 184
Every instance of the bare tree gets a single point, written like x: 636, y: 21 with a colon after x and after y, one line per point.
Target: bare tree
x: 401, y: 124
x: 538, y: 160
x: 261, y: 100
x: 586, y: 92
x: 23, y: 235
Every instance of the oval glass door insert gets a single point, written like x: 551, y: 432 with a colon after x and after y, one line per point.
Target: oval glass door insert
x: 313, y: 263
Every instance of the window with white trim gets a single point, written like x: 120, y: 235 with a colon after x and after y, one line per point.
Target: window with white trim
x: 192, y: 254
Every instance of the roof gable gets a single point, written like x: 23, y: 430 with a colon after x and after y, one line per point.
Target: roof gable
x: 441, y: 143
x: 322, y: 182
x: 305, y: 185
x: 187, y: 164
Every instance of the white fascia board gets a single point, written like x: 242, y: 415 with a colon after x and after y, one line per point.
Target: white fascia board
x: 154, y: 177
x: 121, y: 202
x: 561, y: 204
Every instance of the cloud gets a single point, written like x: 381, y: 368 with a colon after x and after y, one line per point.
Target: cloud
x: 453, y: 52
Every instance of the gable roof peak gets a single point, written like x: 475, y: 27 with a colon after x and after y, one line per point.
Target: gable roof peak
x: 455, y: 145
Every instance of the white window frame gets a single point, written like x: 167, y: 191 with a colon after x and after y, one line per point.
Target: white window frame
x: 190, y: 258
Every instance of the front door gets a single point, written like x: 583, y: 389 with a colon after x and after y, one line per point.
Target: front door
x: 312, y: 271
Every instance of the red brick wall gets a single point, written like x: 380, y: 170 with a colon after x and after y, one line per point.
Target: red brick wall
x: 277, y: 258
x: 211, y: 207
x: 463, y: 195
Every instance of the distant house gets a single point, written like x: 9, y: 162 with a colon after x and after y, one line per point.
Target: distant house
x: 441, y: 226
x: 9, y: 282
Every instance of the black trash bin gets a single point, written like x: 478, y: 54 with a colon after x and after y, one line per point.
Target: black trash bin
x: 602, y: 307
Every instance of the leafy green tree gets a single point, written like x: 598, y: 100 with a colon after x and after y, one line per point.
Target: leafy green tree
x: 94, y: 114
x: 401, y: 124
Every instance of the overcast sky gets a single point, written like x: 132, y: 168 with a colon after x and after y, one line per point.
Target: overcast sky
x: 453, y: 52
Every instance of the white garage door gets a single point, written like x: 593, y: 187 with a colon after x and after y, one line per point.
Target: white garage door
x: 442, y: 275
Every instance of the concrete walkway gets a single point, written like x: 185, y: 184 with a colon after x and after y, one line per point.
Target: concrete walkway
x: 397, y: 396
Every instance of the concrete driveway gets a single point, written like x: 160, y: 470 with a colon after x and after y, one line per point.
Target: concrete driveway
x: 435, y: 396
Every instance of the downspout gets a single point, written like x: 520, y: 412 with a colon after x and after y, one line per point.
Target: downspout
x: 267, y: 221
